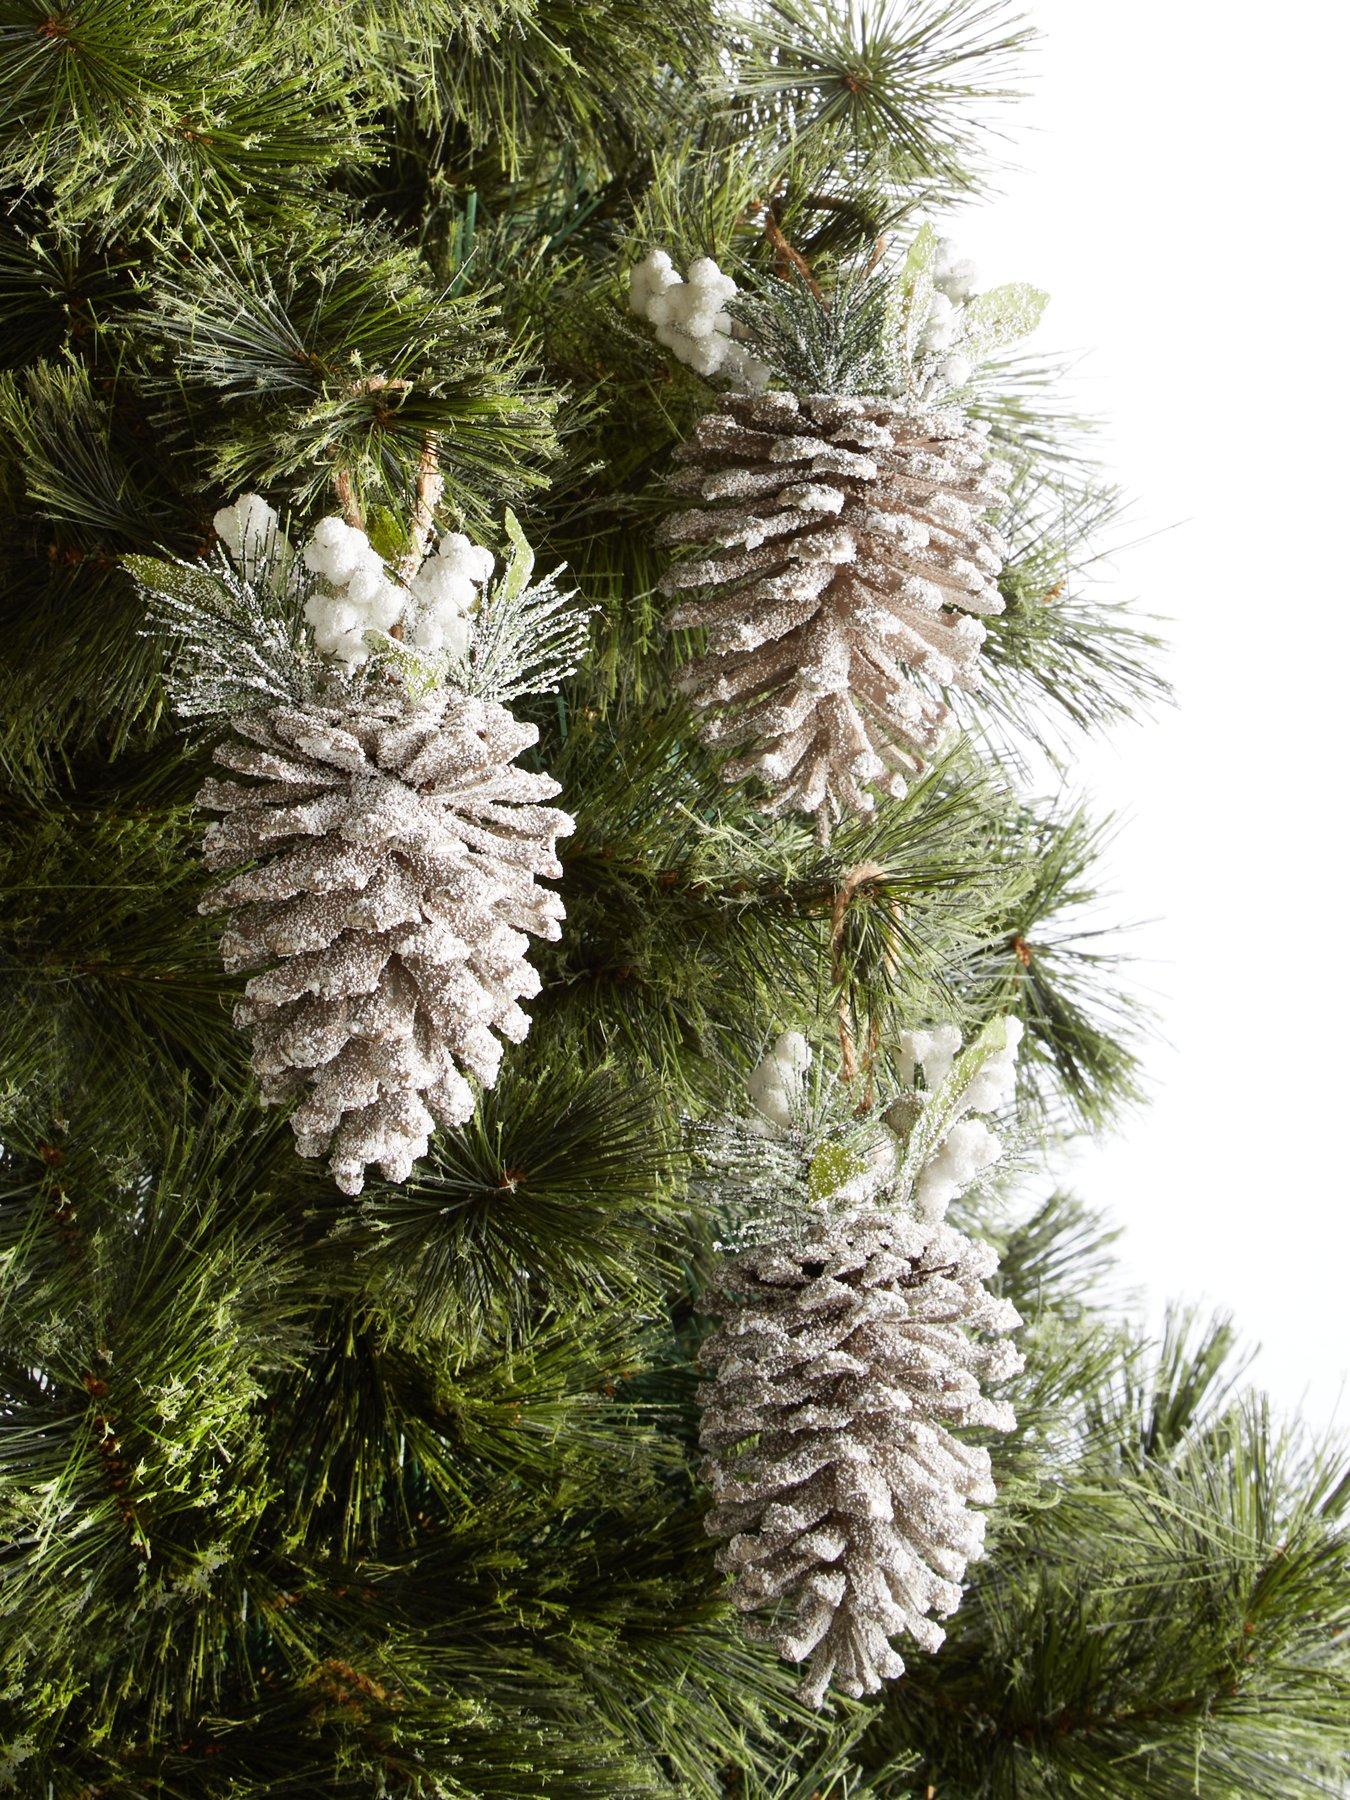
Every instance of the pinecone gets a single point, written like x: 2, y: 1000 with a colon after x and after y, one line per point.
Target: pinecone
x: 841, y: 1363
x: 847, y: 546
x: 395, y: 854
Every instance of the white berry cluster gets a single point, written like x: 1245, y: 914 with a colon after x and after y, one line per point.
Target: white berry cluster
x: 247, y: 528
x: 969, y: 1146
x: 356, y: 592
x: 860, y: 1164
x: 355, y: 595
x: 954, y: 282
x: 691, y: 319
x: 934, y: 1051
x: 444, y: 592
x: 776, y: 1083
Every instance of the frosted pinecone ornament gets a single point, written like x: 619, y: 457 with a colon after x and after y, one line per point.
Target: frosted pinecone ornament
x: 857, y: 1340
x: 842, y: 525
x: 382, y: 847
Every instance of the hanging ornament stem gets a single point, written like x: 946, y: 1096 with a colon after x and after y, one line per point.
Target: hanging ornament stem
x: 870, y: 1064
x: 879, y: 250
x: 345, y: 489
x: 789, y: 257
x: 430, y: 488
x: 343, y: 485
x: 856, y: 878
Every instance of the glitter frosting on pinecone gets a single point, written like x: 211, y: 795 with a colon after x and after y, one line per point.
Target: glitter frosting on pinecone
x: 395, y: 856
x: 843, y: 1363
x: 846, y: 548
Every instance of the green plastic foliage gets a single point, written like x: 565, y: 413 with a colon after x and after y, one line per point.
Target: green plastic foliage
x: 49, y: 281
x: 565, y: 1171
x: 335, y: 352
x: 1064, y: 655
x: 107, y: 965
x: 145, y: 1312
x: 129, y: 107
x: 1061, y: 971
x: 891, y: 88
x: 1001, y: 316
x: 551, y: 74
x: 79, y: 493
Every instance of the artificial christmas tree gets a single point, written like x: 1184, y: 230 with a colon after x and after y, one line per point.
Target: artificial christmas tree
x: 399, y: 1493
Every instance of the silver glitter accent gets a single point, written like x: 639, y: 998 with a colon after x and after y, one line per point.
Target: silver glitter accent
x: 847, y: 1356
x: 846, y: 548
x: 395, y: 857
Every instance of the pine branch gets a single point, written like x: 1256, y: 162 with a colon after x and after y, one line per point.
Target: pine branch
x: 889, y: 90
x: 844, y: 343
x: 1062, y: 653
x: 336, y: 352
x: 1160, y: 1617
x: 1056, y: 969
x: 128, y: 110
x: 688, y: 928
x: 560, y: 1172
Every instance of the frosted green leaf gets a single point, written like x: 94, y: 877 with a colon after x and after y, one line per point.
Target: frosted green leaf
x: 831, y: 1167
x: 235, y: 637
x: 519, y: 563
x: 188, y: 584
x: 943, y: 1106
x: 387, y: 533
x: 916, y: 288
x: 418, y: 673
x: 920, y: 257
x: 528, y: 636
x: 1002, y: 316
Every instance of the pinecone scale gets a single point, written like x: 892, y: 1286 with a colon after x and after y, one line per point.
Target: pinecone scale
x: 846, y: 548
x: 843, y: 1364
x: 393, y: 854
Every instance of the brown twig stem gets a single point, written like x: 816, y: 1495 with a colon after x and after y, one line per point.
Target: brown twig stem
x: 856, y: 878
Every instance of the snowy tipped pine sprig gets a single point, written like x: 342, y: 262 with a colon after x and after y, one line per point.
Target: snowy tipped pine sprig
x: 528, y: 636
x: 911, y: 326
x: 848, y: 344
x: 233, y: 624
x: 259, y: 622
x: 855, y: 1338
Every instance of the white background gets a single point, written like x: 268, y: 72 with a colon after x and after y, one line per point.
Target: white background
x: 1179, y: 187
